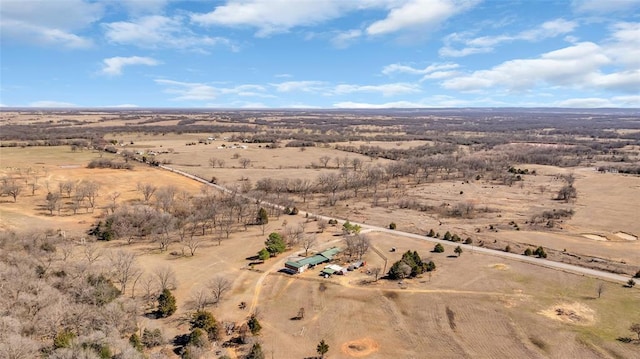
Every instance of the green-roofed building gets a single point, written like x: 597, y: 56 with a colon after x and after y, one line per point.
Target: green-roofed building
x: 300, y: 265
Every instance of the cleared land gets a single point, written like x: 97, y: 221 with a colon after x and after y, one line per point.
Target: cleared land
x: 474, y: 305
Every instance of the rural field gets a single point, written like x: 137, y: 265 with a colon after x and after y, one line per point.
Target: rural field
x: 104, y: 212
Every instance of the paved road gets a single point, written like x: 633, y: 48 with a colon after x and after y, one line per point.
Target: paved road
x: 470, y: 248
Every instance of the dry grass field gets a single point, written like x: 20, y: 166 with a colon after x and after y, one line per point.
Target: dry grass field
x: 473, y: 306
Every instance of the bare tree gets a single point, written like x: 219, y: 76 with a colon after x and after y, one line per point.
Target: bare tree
x: 212, y: 162
x: 165, y: 197
x: 11, y: 187
x: 322, y: 224
x: 113, y: 205
x: 53, y: 202
x: 356, y: 163
x: 66, y: 187
x: 200, y: 298
x: 92, y: 253
x: 149, y: 286
x: 147, y: 190
x: 90, y: 191
x: 324, y: 160
x: 193, y: 243
x: 123, y: 268
x: 330, y: 183
x: 219, y: 286
x: 376, y: 272
x: 166, y: 278
x: 220, y: 163
x: 600, y: 289
x: 308, y: 241
x: 245, y: 162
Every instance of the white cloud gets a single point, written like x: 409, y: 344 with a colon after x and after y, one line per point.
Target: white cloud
x: 49, y: 104
x: 304, y: 86
x: 385, y: 89
x: 278, y: 16
x: 345, y: 38
x: 434, y: 71
x: 600, y: 7
x: 195, y: 91
x: 124, y: 105
x: 419, y: 14
x: 273, y: 16
x: 624, y: 46
x: 611, y: 65
x: 364, y: 105
x: 42, y: 22
x: 187, y: 91
x: 113, y: 65
x: 160, y: 32
x: 397, y: 68
x: 485, y: 44
x: 585, y: 103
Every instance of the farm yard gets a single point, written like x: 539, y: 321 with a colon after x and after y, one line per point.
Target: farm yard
x: 467, y: 186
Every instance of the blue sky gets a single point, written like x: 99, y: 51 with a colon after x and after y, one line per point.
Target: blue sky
x: 320, y: 53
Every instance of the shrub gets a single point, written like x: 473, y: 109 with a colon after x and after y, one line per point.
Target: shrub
x: 166, y: 304
x: 392, y: 225
x: 152, y: 338
x: 528, y: 252
x: 63, y: 339
x: 637, y: 274
x: 255, y: 352
x: 439, y: 248
x: 254, y: 325
x: 205, y: 321
x: 431, y: 233
x: 198, y: 338
x: 135, y: 342
x: 264, y: 254
x: 447, y: 236
x: 468, y: 240
x: 540, y: 252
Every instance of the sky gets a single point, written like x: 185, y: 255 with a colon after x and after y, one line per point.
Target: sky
x: 320, y: 53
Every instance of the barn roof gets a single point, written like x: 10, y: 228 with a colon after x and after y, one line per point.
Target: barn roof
x: 330, y: 253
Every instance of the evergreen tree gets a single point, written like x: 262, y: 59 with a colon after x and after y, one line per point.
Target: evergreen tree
x: 166, y: 304
x: 275, y: 244
x: 263, y: 216
x: 458, y: 251
x: 439, y: 248
x: 322, y: 348
x: 204, y: 320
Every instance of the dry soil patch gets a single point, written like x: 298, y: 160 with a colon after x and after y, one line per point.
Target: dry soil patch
x: 626, y: 236
x: 360, y: 347
x: 573, y: 313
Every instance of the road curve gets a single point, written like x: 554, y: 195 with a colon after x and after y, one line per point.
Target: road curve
x: 518, y: 257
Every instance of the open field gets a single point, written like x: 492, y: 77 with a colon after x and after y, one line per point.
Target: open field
x: 475, y: 305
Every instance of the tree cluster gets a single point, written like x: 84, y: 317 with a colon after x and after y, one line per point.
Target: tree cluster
x: 409, y: 266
